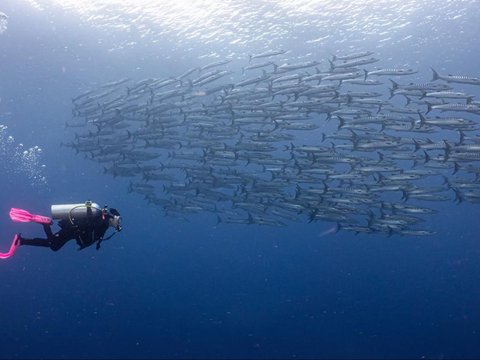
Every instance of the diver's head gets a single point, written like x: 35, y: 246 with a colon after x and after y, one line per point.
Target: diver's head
x: 115, y: 220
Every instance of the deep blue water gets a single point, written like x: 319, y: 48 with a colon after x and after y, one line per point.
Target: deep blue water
x: 169, y: 288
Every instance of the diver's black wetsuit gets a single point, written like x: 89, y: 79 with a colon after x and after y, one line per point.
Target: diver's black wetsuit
x: 85, y: 234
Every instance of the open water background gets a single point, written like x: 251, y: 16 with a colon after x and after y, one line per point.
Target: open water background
x: 166, y: 287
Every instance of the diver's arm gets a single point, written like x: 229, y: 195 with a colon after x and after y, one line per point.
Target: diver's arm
x: 99, y: 235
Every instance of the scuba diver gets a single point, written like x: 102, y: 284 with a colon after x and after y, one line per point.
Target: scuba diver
x: 86, y: 223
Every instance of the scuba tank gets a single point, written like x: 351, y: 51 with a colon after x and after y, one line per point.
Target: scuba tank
x: 87, y: 218
x: 76, y: 213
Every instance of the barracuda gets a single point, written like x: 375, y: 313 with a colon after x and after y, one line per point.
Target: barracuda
x: 456, y: 78
x: 248, y: 149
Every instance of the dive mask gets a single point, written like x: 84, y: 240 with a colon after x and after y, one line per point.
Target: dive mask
x: 116, y: 222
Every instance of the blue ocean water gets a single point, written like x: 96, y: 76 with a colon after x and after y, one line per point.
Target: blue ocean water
x: 169, y: 287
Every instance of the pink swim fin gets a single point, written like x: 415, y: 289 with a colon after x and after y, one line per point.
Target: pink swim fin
x: 13, y: 248
x: 19, y: 215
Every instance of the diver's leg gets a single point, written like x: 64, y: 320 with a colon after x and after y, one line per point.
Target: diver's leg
x: 48, y: 230
x: 59, y: 239
x: 35, y: 242
x: 53, y: 241
x: 58, y: 243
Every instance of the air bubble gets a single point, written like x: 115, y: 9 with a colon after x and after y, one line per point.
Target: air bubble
x: 17, y: 161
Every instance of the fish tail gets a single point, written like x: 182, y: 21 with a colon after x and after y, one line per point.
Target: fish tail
x: 422, y: 119
x: 429, y: 108
x: 427, y: 157
x: 408, y: 100
x: 417, y: 145
x: 461, y: 136
x: 392, y: 94
x: 435, y: 75
x: 458, y: 195
x: 332, y: 65
x: 456, y: 167
x: 447, y: 182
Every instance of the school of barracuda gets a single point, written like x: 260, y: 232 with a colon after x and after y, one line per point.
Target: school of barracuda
x: 379, y: 149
